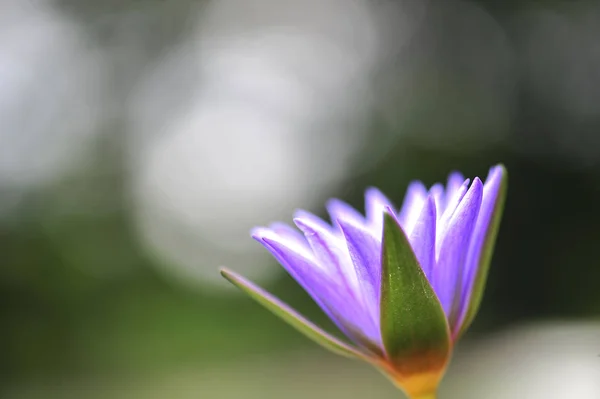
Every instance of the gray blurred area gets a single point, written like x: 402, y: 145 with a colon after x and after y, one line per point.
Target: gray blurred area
x: 141, y: 140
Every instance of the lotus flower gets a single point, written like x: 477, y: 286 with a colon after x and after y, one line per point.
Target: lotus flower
x: 401, y: 286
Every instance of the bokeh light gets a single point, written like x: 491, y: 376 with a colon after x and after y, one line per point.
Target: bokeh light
x: 141, y: 140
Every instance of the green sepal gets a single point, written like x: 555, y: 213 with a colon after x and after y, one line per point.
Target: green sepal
x: 292, y: 317
x: 414, y: 328
x: 486, y: 255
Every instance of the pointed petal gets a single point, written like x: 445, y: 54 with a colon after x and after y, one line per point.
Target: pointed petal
x: 455, y: 180
x: 413, y: 325
x: 333, y: 252
x: 482, y: 244
x: 422, y: 238
x: 328, y: 248
x: 365, y: 252
x: 339, y: 210
x: 456, y: 198
x: 287, y: 236
x: 296, y: 261
x: 290, y: 233
x: 314, y: 280
x: 444, y: 218
x: 290, y: 316
x: 448, y: 273
x: 375, y: 205
x: 439, y: 198
x: 313, y: 220
x: 413, y: 202
x: 329, y: 290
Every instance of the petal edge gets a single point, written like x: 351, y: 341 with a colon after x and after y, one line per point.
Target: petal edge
x: 476, y: 286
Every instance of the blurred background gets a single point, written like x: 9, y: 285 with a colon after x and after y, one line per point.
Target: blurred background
x: 140, y: 140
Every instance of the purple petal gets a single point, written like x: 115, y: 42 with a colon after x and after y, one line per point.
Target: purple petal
x: 413, y: 202
x: 365, y: 252
x: 326, y: 246
x: 333, y: 256
x: 448, y: 273
x: 455, y: 181
x: 286, y: 235
x: 326, y: 291
x: 295, y: 260
x: 290, y: 233
x: 313, y: 220
x: 375, y: 204
x: 439, y: 197
x: 444, y: 218
x: 490, y: 196
x: 422, y: 238
x: 339, y: 210
x: 457, y: 196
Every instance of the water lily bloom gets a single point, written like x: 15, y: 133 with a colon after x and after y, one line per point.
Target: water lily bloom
x: 402, y: 286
